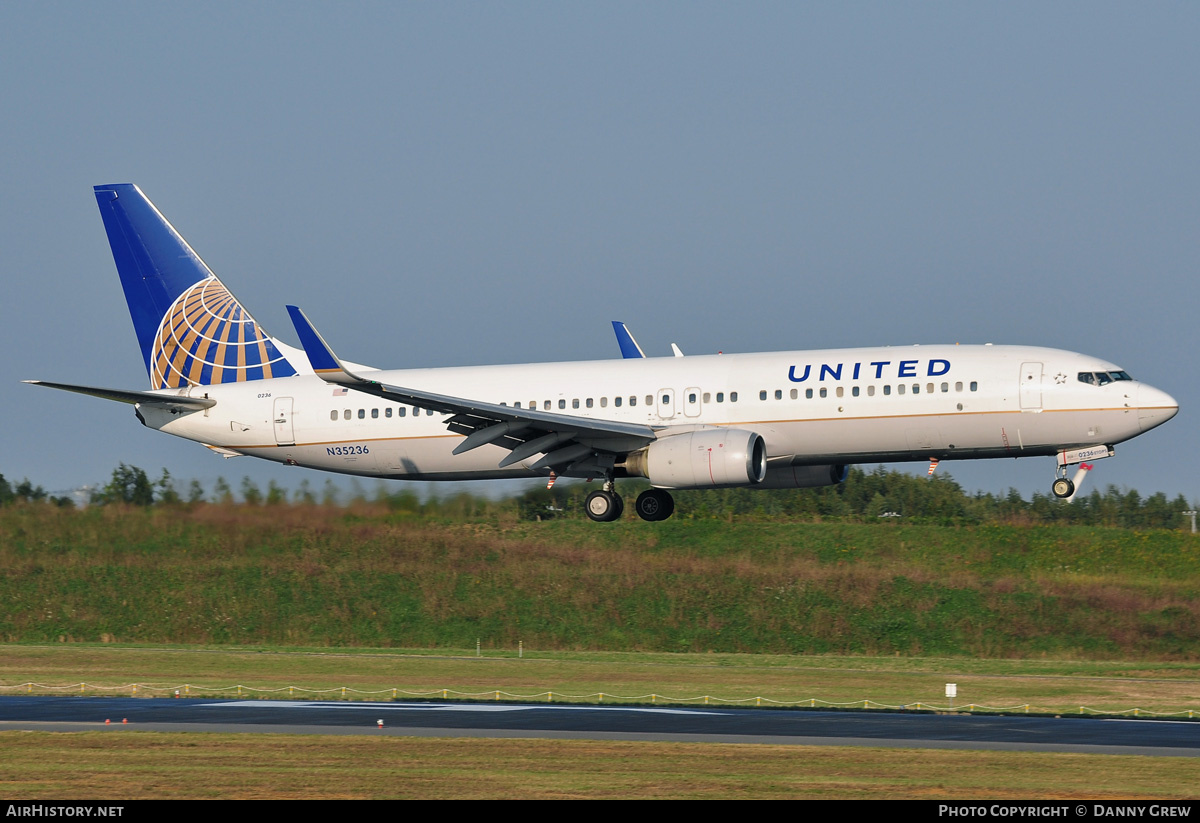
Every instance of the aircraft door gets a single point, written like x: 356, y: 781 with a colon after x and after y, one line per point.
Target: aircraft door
x: 691, y: 402
x: 284, y: 436
x: 1031, y: 385
x: 666, y: 403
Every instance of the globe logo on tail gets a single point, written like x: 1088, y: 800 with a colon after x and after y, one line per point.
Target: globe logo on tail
x: 206, y: 337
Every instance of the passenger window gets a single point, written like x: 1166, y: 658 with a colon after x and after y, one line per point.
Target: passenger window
x: 945, y: 387
x: 402, y: 411
x: 604, y: 402
x: 546, y: 405
x: 333, y: 415
x: 667, y: 399
x: 707, y: 397
x: 589, y: 402
x: 958, y: 386
x: 374, y: 414
x: 517, y: 405
x: 900, y: 389
x: 429, y: 412
x: 691, y: 397
x: 720, y: 397
x: 617, y: 401
x: 733, y: 397
x: 632, y: 400
x: 762, y: 395
x: 649, y: 400
x: 887, y: 390
x: 562, y: 403
x: 974, y: 386
x: 794, y: 394
x: 841, y: 391
x: 387, y: 412
x: 346, y: 414
x: 870, y: 391
x: 362, y: 414
x: 916, y: 388
x: 824, y: 392
x: 929, y: 388
x: 854, y: 391
x: 778, y: 394
x: 808, y: 394
x: 575, y: 403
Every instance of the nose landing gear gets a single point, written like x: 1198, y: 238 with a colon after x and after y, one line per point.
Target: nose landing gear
x: 1063, y: 488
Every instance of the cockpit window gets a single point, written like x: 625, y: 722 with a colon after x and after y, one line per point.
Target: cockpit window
x: 1102, y: 378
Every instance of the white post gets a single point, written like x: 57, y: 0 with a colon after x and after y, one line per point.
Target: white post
x: 1084, y: 468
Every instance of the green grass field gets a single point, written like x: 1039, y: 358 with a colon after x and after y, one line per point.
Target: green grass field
x: 129, y: 765
x: 1045, y: 686
x: 315, y: 576
x: 371, y: 599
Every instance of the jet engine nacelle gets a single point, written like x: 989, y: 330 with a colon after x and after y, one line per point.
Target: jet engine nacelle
x: 803, y: 477
x: 702, y: 460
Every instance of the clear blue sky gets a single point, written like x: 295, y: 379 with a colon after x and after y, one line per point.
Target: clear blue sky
x: 457, y: 183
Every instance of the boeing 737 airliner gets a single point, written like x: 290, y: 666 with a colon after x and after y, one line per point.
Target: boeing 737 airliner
x: 776, y: 420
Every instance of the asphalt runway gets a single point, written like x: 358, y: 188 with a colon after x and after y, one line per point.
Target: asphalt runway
x: 516, y: 720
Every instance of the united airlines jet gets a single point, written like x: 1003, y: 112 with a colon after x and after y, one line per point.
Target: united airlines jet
x: 768, y: 421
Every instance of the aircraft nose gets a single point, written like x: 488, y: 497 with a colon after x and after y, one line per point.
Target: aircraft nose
x: 1155, y: 407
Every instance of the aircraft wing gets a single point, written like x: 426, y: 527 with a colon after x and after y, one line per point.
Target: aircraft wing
x: 574, y: 446
x: 169, y: 402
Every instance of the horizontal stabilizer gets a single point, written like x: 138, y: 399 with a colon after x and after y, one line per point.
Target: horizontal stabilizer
x: 141, y: 398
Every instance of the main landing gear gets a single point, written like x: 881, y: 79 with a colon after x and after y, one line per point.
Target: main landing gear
x: 654, y: 505
x: 605, y: 505
x: 1063, y: 488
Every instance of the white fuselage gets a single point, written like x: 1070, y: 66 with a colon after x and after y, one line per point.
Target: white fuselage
x: 835, y: 406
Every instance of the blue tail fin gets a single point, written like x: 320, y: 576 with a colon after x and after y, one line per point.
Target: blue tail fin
x: 192, y: 331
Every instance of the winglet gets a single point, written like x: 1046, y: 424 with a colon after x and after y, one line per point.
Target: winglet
x: 322, y: 359
x: 630, y: 349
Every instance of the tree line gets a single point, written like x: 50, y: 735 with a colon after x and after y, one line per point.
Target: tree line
x: 878, y: 494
